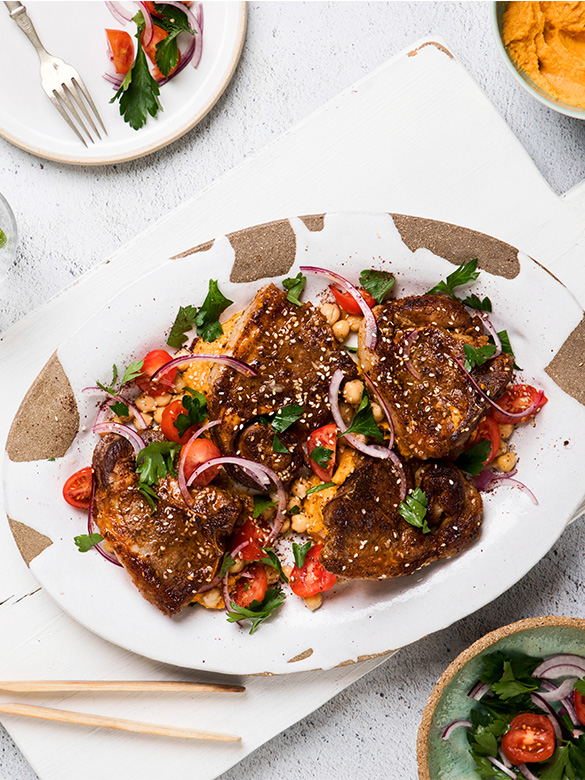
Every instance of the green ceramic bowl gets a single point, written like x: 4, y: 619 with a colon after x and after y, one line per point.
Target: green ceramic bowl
x: 520, y: 76
x: 449, y: 759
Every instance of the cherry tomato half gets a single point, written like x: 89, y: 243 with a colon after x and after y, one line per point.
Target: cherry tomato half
x: 248, y: 540
x: 311, y: 578
x: 580, y: 707
x: 487, y: 430
x: 167, y: 423
x: 323, y: 437
x: 152, y: 362
x: 516, y: 399
x: 251, y: 588
x: 348, y: 303
x: 122, y: 49
x: 530, y: 738
x: 77, y: 489
x: 198, y: 452
x: 157, y: 36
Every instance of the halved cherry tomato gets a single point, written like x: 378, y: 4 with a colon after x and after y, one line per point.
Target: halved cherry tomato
x: 152, y: 362
x: 77, y: 489
x: 348, y: 303
x: 531, y: 738
x: 516, y: 399
x: 311, y: 578
x: 122, y: 49
x: 157, y: 36
x: 487, y: 430
x: 323, y: 437
x: 167, y: 423
x: 198, y: 452
x: 248, y: 540
x: 154, y: 12
x: 580, y: 707
x: 251, y: 588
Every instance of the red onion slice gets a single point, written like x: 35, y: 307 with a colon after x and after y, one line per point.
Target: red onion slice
x: 238, y: 365
x: 182, y: 482
x: 537, y: 699
x: 115, y: 80
x: 384, y: 406
x: 479, y: 690
x: 122, y: 430
x: 199, y: 10
x: 525, y: 772
x: 187, y: 56
x: 564, y: 689
x: 258, y: 471
x: 503, y: 758
x: 346, y: 286
x: 120, y: 14
x: 502, y: 767
x: 493, y: 333
x: 518, y: 416
x: 408, y: 342
x: 455, y: 725
x: 562, y: 665
x: 209, y: 585
x: 148, y: 25
x: 91, y: 528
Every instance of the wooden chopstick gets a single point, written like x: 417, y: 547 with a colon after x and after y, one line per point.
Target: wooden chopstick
x: 65, y: 716
x: 152, y: 686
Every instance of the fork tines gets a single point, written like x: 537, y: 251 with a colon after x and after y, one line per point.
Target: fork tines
x: 67, y: 99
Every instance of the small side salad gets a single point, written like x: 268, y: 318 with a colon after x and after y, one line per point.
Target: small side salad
x: 529, y: 718
x: 170, y: 35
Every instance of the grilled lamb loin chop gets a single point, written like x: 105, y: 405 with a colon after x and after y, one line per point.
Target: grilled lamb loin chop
x: 435, y: 414
x: 295, y: 354
x: 368, y: 539
x: 169, y: 554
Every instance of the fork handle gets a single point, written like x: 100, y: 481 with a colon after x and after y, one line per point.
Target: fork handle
x: 22, y: 19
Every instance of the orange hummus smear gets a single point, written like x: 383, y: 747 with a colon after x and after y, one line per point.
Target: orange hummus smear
x: 197, y: 373
x: 547, y: 41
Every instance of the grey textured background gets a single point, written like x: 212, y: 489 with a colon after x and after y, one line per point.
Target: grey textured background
x: 296, y: 57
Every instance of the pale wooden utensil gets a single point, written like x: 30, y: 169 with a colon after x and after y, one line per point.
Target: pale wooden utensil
x: 147, y: 686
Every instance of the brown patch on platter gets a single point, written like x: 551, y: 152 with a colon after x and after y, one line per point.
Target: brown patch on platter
x: 30, y: 543
x: 47, y: 420
x: 314, y: 222
x: 199, y: 248
x: 567, y: 368
x: 301, y: 656
x: 458, y: 244
x: 422, y: 743
x: 436, y: 44
x: 263, y: 251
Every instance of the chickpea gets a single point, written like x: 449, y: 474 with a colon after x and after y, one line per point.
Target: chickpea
x: 299, y: 523
x: 507, y: 461
x: 354, y: 322
x: 346, y: 412
x: 108, y: 547
x: 158, y: 413
x: 352, y: 391
x: 502, y: 448
x: 238, y: 566
x: 285, y: 528
x: 272, y: 575
x: 292, y: 503
x: 378, y: 412
x: 287, y: 570
x: 331, y: 312
x: 299, y: 488
x: 212, y: 598
x: 145, y: 403
x: 163, y: 399
x: 506, y: 430
x: 341, y: 330
x: 314, y: 602
x: 147, y: 419
x: 179, y: 383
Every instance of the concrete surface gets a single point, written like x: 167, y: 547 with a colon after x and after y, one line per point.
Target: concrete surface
x: 296, y: 57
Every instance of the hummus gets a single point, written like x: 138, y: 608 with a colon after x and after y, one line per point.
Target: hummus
x: 547, y: 41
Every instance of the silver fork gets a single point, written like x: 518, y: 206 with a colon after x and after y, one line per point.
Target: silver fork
x: 62, y: 83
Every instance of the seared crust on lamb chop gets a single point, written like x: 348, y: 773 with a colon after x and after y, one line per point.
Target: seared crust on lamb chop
x: 368, y: 539
x: 295, y: 354
x: 172, y: 552
x: 434, y: 408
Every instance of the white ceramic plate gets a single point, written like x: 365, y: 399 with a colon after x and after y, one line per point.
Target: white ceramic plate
x: 358, y: 618
x: 74, y: 31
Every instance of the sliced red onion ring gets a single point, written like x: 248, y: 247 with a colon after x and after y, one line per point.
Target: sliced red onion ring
x: 225, y: 590
x: 199, y: 9
x: 576, y: 733
x: 260, y: 472
x: 187, y: 56
x: 346, y: 286
x: 408, y: 342
x: 455, y: 725
x: 119, y: 13
x: 141, y: 423
x: 238, y: 365
x: 479, y: 690
x: 115, y: 80
x: 502, y: 767
x: 209, y: 585
x: 91, y: 528
x: 512, y: 417
x: 503, y: 758
x: 537, y: 699
x: 493, y: 333
x: 564, y: 689
x: 562, y: 665
x: 525, y: 772
x: 384, y: 406
x: 182, y: 482
x: 148, y: 25
x: 122, y: 430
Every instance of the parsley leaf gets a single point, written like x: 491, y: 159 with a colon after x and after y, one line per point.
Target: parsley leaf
x: 207, y: 319
x: 132, y: 372
x: 580, y: 686
x: 111, y: 388
x: 363, y: 421
x: 155, y: 461
x: 278, y: 446
x: 351, y: 350
x: 149, y: 494
x: 414, y: 510
x: 195, y: 406
x: 300, y: 553
x: 138, y: 93
x: 317, y: 488
x: 86, y: 541
x: 473, y: 460
x: 508, y: 686
x: 464, y: 274
x: 477, y: 303
x: 286, y: 416
x: 567, y: 762
x: 506, y: 345
x: 184, y: 321
x: 120, y: 409
x: 226, y: 564
x: 273, y: 560
x: 258, y: 611
x: 377, y: 283
x: 477, y: 357
x: 321, y: 455
x: 295, y: 288
x: 261, y: 504
x: 174, y: 21
x: 294, y: 510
